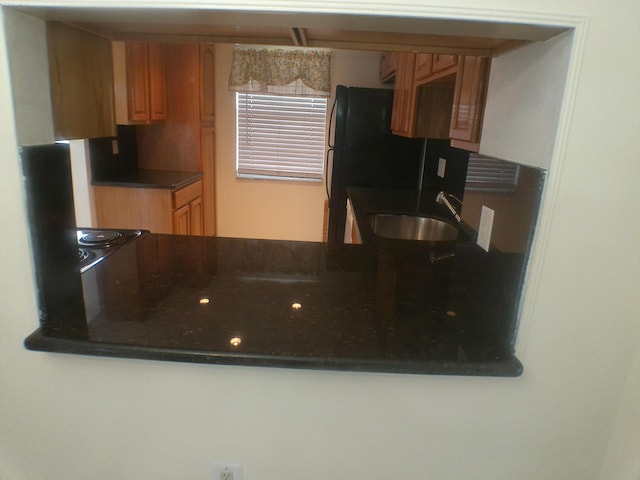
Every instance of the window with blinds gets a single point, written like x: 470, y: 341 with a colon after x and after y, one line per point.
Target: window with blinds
x: 488, y: 174
x: 280, y: 137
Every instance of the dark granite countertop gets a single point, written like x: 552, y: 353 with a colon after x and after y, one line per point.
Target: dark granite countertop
x: 141, y: 178
x: 291, y: 304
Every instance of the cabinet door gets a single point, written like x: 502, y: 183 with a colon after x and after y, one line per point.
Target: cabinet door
x: 423, y: 65
x: 207, y: 83
x: 208, y: 162
x: 181, y: 220
x: 196, y: 217
x: 388, y: 66
x: 157, y: 84
x: 402, y: 114
x: 81, y: 63
x: 468, y: 102
x: 442, y: 62
x: 137, y: 68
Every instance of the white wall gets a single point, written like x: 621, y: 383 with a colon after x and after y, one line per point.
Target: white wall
x: 83, y: 198
x: 524, y: 97
x: 248, y: 208
x: 70, y: 417
x: 27, y: 47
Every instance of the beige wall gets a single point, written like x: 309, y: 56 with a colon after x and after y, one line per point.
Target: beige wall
x: 573, y: 415
x: 519, y: 81
x: 29, y: 78
x: 250, y: 208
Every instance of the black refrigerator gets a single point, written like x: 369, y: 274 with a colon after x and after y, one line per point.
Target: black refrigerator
x: 365, y: 152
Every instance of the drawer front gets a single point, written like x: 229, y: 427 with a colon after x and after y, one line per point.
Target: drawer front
x: 186, y: 194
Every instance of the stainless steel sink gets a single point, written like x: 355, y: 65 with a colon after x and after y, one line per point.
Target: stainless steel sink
x: 412, y: 227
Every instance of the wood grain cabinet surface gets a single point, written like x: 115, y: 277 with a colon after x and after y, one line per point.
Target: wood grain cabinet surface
x: 421, y: 109
x: 81, y: 74
x: 424, y: 65
x: 186, y: 141
x: 188, y: 215
x: 388, y: 66
x: 440, y: 96
x: 159, y: 210
x: 469, y: 101
x: 443, y: 62
x: 402, y: 115
x: 139, y: 83
x: 207, y: 83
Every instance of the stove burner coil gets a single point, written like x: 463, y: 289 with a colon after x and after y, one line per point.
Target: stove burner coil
x: 102, y: 238
x: 85, y: 255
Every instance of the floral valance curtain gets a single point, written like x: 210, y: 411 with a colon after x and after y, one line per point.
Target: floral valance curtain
x: 295, y: 72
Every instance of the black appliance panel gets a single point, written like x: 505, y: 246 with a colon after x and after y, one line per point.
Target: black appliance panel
x: 366, y: 153
x: 51, y: 212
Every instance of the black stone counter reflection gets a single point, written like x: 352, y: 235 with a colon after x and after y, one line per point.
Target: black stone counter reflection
x: 291, y: 304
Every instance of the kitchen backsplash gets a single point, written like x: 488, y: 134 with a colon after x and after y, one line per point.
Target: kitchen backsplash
x: 494, y: 278
x: 455, y: 167
x: 104, y: 162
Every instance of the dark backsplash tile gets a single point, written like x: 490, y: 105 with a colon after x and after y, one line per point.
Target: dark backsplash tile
x: 494, y: 279
x: 455, y: 171
x: 104, y: 163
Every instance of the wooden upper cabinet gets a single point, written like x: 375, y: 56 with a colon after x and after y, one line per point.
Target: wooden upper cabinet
x: 81, y: 74
x: 137, y: 78
x: 420, y: 109
x: 468, y: 103
x: 139, y: 82
x: 388, y: 66
x: 442, y: 62
x: 402, y: 116
x: 424, y: 62
x: 440, y: 96
x: 157, y: 83
x: 207, y: 83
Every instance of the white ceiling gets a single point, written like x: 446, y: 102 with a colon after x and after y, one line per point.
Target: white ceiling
x: 371, y: 32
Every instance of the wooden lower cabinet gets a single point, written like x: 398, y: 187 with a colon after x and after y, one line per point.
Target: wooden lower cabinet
x: 181, y: 221
x: 188, y: 214
x: 158, y: 210
x: 196, y: 217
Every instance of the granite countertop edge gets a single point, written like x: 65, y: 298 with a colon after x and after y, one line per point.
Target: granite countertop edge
x: 38, y: 341
x: 160, y: 179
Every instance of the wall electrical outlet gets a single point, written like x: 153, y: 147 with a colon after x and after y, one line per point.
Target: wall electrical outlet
x: 442, y: 165
x: 227, y: 471
x: 484, y: 230
x: 114, y: 147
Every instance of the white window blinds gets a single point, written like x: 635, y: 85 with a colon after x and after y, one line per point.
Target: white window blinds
x: 491, y: 175
x: 279, y: 136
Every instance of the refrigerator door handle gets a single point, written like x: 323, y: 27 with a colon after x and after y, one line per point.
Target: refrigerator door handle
x: 331, y: 115
x: 326, y: 170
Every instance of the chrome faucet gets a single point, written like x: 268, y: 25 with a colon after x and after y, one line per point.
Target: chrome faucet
x: 443, y: 198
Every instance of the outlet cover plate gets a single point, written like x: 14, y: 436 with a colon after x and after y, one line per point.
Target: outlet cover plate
x: 442, y: 165
x: 226, y: 471
x: 484, y: 230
